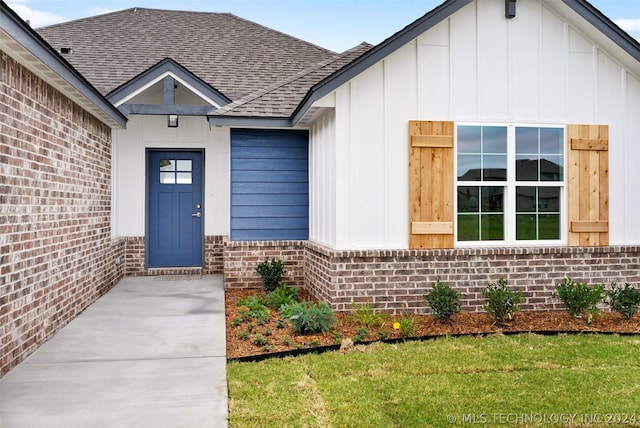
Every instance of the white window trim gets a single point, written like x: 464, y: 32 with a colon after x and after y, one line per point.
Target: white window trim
x: 510, y: 184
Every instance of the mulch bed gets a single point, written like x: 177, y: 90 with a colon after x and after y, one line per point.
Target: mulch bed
x: 281, y: 338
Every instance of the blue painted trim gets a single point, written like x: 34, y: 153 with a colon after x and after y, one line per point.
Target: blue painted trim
x: 31, y: 41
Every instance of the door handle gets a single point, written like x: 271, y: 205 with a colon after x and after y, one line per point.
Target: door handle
x: 198, y: 214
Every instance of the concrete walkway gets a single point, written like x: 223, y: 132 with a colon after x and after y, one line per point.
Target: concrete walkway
x: 150, y: 353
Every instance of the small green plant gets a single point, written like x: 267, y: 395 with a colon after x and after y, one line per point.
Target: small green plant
x: 268, y: 332
x: 625, y: 300
x: 383, y: 334
x: 578, y: 298
x: 407, y: 326
x: 361, y: 335
x: 286, y: 341
x: 443, y: 300
x: 363, y: 314
x: 244, y: 335
x: 282, y: 295
x: 271, y: 273
x: 259, y: 340
x: 337, y: 337
x: 502, y: 302
x: 307, y: 317
x: 254, y: 308
x: 314, y: 343
x: 280, y: 324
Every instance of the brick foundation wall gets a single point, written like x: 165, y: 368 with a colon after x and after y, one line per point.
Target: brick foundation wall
x: 213, y: 254
x: 56, y: 251
x: 135, y: 263
x: 242, y: 258
x: 398, y: 280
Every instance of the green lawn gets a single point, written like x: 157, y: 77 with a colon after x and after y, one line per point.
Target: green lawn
x: 522, y: 380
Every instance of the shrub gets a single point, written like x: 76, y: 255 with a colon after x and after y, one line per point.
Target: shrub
x: 502, y: 302
x: 364, y: 315
x: 625, y: 300
x: 282, y: 295
x: 308, y: 317
x: 271, y: 273
x: 578, y: 297
x: 443, y: 300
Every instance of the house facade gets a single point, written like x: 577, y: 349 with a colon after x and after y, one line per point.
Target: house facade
x: 488, y: 139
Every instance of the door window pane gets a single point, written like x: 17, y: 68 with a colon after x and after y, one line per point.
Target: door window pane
x: 175, y: 171
x: 167, y: 165
x: 167, y: 178
x: 183, y: 165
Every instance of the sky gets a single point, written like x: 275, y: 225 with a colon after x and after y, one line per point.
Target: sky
x: 333, y: 24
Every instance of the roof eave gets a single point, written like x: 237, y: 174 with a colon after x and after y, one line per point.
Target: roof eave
x: 77, y: 88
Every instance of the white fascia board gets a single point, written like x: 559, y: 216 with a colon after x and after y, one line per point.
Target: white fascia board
x: 158, y: 79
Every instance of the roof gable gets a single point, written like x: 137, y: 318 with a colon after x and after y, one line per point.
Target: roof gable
x: 168, y: 67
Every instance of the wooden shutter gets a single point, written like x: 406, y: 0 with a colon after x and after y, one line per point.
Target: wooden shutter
x: 588, y: 185
x: 431, y: 184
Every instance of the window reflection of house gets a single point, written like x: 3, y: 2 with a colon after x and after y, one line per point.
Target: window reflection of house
x: 526, y: 170
x: 548, y: 199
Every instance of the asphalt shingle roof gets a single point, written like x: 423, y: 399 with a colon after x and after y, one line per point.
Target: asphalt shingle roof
x: 282, y: 98
x: 234, y: 56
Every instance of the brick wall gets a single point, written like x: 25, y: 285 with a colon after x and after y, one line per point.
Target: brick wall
x: 56, y: 251
x: 213, y: 254
x: 135, y: 264
x: 242, y: 258
x: 398, y: 280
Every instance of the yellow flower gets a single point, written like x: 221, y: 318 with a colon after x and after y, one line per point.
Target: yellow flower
x: 396, y: 326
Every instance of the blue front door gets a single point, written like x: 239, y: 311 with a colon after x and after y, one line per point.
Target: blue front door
x: 175, y: 211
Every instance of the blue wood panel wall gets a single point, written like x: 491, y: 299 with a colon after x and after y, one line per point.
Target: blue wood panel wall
x: 269, y: 185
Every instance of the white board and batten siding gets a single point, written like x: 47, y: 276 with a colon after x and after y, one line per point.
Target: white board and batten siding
x: 546, y: 66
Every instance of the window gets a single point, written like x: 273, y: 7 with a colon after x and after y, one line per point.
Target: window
x: 174, y: 171
x: 510, y: 183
